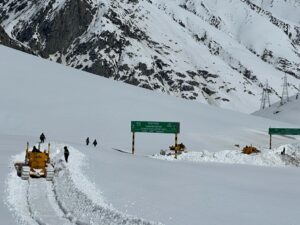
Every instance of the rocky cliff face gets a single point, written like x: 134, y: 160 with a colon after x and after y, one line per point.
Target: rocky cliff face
x: 218, y: 52
x: 9, y: 42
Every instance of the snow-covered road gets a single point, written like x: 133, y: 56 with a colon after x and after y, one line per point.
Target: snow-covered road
x: 42, y: 203
x: 70, y: 199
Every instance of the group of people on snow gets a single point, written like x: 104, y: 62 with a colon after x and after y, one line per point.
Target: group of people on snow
x: 87, y: 141
x: 42, y: 140
x: 66, y: 150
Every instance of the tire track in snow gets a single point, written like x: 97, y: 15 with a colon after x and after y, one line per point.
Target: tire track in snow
x: 28, y: 204
x: 42, y: 204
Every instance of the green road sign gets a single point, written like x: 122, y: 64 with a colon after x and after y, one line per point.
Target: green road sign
x: 284, y: 131
x: 155, y: 127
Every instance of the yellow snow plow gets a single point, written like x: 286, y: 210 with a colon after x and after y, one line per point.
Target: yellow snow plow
x: 250, y: 150
x: 178, y: 148
x: 36, y: 164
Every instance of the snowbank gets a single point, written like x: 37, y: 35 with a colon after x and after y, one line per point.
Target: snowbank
x: 265, y: 158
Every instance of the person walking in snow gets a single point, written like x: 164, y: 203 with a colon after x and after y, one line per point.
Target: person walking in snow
x: 283, y: 151
x: 42, y: 138
x: 95, y: 143
x: 87, y: 141
x: 66, y: 153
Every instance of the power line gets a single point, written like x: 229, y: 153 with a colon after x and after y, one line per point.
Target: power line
x: 285, y: 93
x: 265, y: 99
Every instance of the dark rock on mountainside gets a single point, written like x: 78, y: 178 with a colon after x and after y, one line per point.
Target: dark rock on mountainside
x: 186, y: 50
x: 58, y: 33
x: 7, y: 41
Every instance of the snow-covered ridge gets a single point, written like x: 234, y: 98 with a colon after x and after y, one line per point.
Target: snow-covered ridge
x: 218, y: 52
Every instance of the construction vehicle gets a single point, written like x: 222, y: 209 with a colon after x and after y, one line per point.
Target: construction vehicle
x: 250, y: 150
x: 37, y: 164
x: 178, y: 148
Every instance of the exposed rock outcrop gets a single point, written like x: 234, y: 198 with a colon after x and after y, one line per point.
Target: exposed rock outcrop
x: 186, y: 48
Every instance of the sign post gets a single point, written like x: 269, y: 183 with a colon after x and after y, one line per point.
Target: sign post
x: 283, y: 131
x: 133, y: 137
x: 176, y: 142
x: 154, y: 127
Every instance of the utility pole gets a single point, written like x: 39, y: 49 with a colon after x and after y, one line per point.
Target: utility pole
x: 265, y: 99
x: 285, y: 93
x: 297, y: 95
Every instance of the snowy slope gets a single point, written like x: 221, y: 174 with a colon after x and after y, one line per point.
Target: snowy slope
x: 44, y: 96
x: 288, y: 112
x: 218, y: 52
x: 69, y: 105
x: 188, y: 193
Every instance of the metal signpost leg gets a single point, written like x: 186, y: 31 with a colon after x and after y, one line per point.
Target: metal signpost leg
x: 270, y: 141
x: 132, y: 142
x: 176, y: 141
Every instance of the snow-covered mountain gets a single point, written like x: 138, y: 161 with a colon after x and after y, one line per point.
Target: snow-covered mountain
x: 214, y: 51
x: 104, y: 185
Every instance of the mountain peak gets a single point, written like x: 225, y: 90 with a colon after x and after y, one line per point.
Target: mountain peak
x: 215, y: 52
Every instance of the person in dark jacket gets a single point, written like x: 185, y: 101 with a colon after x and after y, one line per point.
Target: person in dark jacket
x: 42, y: 138
x: 66, y: 153
x: 87, y: 141
x: 34, y: 149
x: 95, y: 143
